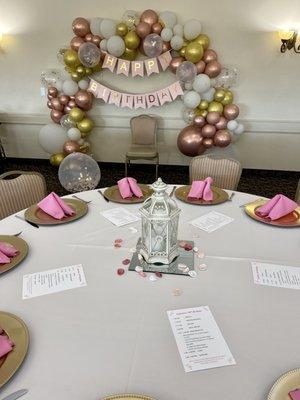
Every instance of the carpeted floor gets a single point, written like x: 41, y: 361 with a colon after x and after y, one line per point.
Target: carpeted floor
x: 260, y: 182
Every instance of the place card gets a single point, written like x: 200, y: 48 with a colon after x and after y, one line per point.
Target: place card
x: 211, y: 221
x: 276, y: 275
x: 120, y: 216
x: 199, y: 339
x: 53, y: 280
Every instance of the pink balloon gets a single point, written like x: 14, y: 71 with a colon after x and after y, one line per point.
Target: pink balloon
x: 84, y: 99
x: 96, y: 40
x: 209, y: 55
x: 76, y: 42
x: 208, y: 142
x: 175, y: 62
x: 231, y: 111
x: 81, y: 27
x: 189, y: 141
x: 56, y: 116
x: 71, y: 103
x: 49, y: 105
x: 200, y: 65
x: 213, y: 117
x: 208, y: 131
x: 222, y: 138
x: 212, y: 69
x: 71, y: 147
x: 222, y: 124
x: 64, y: 99
x: 67, y: 109
x: 88, y: 37
x: 199, y: 121
x: 56, y: 105
x: 53, y: 91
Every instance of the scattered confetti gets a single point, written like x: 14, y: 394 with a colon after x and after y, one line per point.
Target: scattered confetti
x: 126, y: 261
x: 202, y: 267
x: 138, y: 268
x: 117, y: 245
x: 200, y: 254
x: 152, y: 278
x: 120, y: 271
x: 182, y: 266
x: 188, y: 247
x: 143, y: 274
x: 176, y: 292
x: 193, y: 274
x: 118, y: 240
x: 195, y: 249
x: 182, y: 244
x: 159, y: 274
x: 132, y: 250
x: 186, y: 269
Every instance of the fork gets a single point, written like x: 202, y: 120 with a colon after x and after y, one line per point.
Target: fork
x: 173, y: 191
x: 231, y: 196
x: 246, y: 204
x: 105, y: 198
x: 28, y: 222
x: 84, y: 201
x: 17, y: 234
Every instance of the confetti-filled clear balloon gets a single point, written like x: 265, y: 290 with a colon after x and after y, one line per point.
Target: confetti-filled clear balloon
x: 65, y: 122
x: 186, y: 72
x: 89, y: 54
x: 50, y: 77
x: 131, y: 18
x: 188, y: 115
x: 60, y: 54
x: 79, y: 172
x: 226, y: 78
x: 153, y: 45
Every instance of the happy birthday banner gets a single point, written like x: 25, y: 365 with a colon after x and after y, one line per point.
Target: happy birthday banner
x: 141, y: 100
x: 135, y: 68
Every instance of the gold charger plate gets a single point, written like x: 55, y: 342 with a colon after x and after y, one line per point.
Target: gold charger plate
x: 289, y: 221
x: 220, y: 196
x: 38, y: 216
x: 17, y: 331
x: 128, y: 397
x: 19, y: 244
x: 112, y: 193
x: 285, y: 384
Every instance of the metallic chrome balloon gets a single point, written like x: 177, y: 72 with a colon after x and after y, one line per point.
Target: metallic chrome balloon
x: 149, y: 16
x: 166, y: 47
x: 213, y: 117
x: 189, y: 141
x: 84, y: 99
x: 56, y: 105
x: 70, y: 147
x: 56, y: 159
x: 96, y: 40
x: 209, y: 55
x: 76, y: 42
x: 212, y: 69
x: 175, y: 62
x: 64, y: 99
x: 52, y: 91
x: 208, y: 131
x: 56, y: 116
x: 222, y: 123
x: 157, y: 28
x: 231, y: 111
x: 222, y: 138
x: 208, y: 142
x: 143, y: 29
x: 194, y: 52
x: 81, y: 27
x: 200, y: 65
x: 88, y: 37
x: 199, y: 121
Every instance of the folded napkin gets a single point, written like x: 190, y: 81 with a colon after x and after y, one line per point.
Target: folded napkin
x: 6, y: 251
x: 6, y: 345
x: 277, y: 207
x: 295, y: 394
x: 128, y: 187
x: 53, y: 205
x: 4, y: 259
x: 201, y: 190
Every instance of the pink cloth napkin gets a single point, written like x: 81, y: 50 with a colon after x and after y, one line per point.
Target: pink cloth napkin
x: 53, y: 205
x: 6, y: 251
x: 129, y: 187
x: 6, y: 345
x: 201, y: 190
x: 295, y: 394
x: 277, y: 207
x: 4, y: 259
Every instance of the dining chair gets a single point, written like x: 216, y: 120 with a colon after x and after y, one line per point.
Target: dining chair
x: 19, y: 190
x: 297, y: 197
x: 226, y: 172
x: 143, y: 141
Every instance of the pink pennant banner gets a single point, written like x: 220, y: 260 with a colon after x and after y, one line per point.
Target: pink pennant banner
x: 93, y: 87
x: 164, y: 60
x: 175, y: 90
x: 151, y: 66
x: 137, y: 68
x: 103, y: 92
x: 109, y: 62
x: 139, y: 101
x: 127, y: 100
x: 164, y: 96
x: 115, y: 98
x: 123, y: 67
x: 152, y: 100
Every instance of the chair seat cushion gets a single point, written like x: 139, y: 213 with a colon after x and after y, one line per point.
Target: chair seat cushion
x: 141, y: 151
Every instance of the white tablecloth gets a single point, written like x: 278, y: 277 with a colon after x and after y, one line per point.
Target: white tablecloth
x: 114, y: 336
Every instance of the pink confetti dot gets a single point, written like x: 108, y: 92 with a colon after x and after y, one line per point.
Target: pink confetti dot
x: 118, y: 240
x: 120, y: 271
x: 126, y: 261
x: 117, y: 245
x: 158, y: 274
x: 182, y: 244
x: 143, y: 274
x: 188, y: 247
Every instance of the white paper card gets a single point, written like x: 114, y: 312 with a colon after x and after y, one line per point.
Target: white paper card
x: 120, y: 216
x: 53, y: 280
x: 276, y: 275
x: 211, y: 221
x: 199, y: 339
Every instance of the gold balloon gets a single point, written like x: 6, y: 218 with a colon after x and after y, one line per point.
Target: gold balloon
x: 56, y: 159
x: 71, y: 58
x: 129, y: 54
x: 202, y: 113
x: 203, y: 40
x: 185, y: 42
x: 122, y: 29
x: 88, y: 71
x: 97, y: 68
x: 203, y: 105
x: 132, y: 41
x: 85, y: 125
x: 228, y: 98
x: 75, y: 76
x: 215, y: 106
x: 76, y: 114
x: 80, y: 70
x: 182, y: 51
x: 85, y: 148
x: 194, y: 52
x: 219, y: 95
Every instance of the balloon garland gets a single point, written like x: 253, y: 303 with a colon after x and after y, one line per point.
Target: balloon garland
x: 209, y: 108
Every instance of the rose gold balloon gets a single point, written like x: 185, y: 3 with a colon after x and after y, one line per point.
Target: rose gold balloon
x: 157, y: 28
x: 175, y: 62
x: 76, y: 42
x: 67, y: 109
x: 212, y: 69
x: 64, y: 99
x: 53, y: 91
x: 199, y: 121
x: 222, y: 138
x: 56, y: 104
x: 84, y: 99
x: 72, y: 97
x: 209, y: 55
x: 222, y: 123
x: 200, y: 65
x: 208, y: 142
x: 166, y: 47
x: 213, y: 117
x: 49, y: 105
x: 96, y: 40
x: 71, y: 103
x: 81, y: 27
x: 149, y: 16
x: 231, y: 111
x: 143, y: 29
x: 208, y: 131
x: 88, y: 37
x: 50, y: 97
x: 71, y: 147
x: 102, y: 55
x: 56, y: 115
x: 189, y: 141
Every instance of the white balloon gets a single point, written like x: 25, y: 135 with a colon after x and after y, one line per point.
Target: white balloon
x: 115, y: 46
x: 192, y: 29
x: 80, y: 142
x: 58, y: 85
x: 83, y: 84
x: 108, y: 28
x: 168, y: 18
x: 69, y: 87
x: 232, y: 125
x: 52, y: 138
x: 176, y: 42
x: 178, y: 30
x: 188, y: 86
x: 174, y: 53
x: 74, y: 134
x: 95, y: 26
x: 209, y: 94
x: 191, y: 99
x: 240, y: 129
x: 201, y: 83
x: 166, y: 34
x: 103, y: 45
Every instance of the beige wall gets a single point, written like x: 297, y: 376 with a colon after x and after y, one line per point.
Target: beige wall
x: 242, y: 32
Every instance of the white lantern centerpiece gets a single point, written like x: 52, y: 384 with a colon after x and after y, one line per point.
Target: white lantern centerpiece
x: 160, y: 215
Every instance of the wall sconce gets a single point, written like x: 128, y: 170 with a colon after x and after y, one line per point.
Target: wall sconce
x: 288, y: 39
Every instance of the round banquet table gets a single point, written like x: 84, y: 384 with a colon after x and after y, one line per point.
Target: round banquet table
x: 113, y: 336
